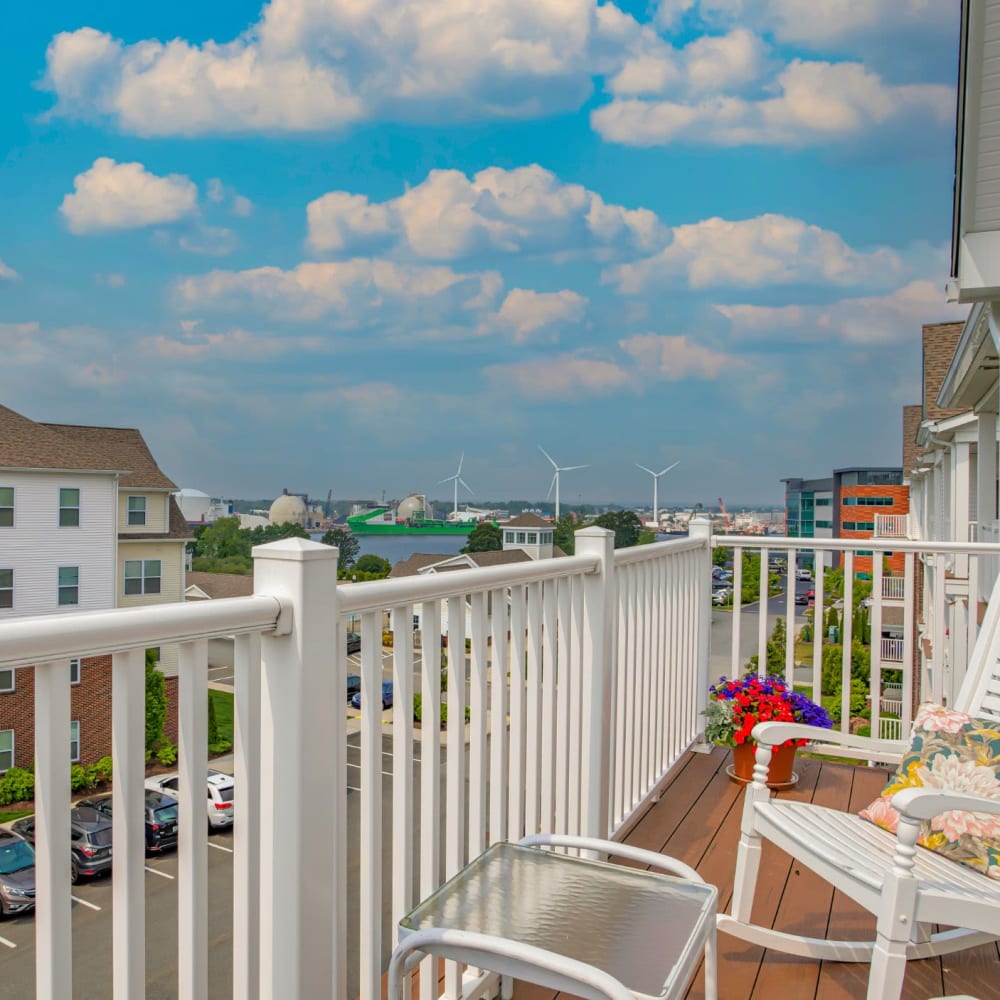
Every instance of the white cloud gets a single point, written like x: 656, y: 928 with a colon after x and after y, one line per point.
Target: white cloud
x: 219, y: 193
x: 112, y: 280
x: 448, y: 215
x: 816, y: 103
x: 353, y: 294
x: 114, y: 195
x: 766, y: 250
x: 235, y: 344
x: 213, y: 241
x: 894, y: 318
x: 567, y: 376
x: 7, y: 273
x: 674, y: 358
x: 527, y: 313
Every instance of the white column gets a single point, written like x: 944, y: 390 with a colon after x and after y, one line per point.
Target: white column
x: 961, y: 475
x: 701, y: 527
x: 596, y: 681
x: 986, y: 481
x: 302, y: 723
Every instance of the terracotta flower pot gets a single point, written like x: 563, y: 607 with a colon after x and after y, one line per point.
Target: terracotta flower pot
x: 780, y: 772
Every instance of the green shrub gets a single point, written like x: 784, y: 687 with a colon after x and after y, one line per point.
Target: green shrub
x: 78, y: 779
x: 103, y: 768
x: 17, y: 785
x: 156, y: 702
x: 213, y: 722
x: 166, y: 754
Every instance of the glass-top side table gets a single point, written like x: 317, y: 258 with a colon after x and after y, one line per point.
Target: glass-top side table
x: 644, y: 930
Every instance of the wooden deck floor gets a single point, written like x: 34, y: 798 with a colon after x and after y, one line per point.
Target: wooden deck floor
x: 697, y: 820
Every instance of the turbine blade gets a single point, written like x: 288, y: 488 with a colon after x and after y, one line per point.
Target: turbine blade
x: 552, y: 485
x: 570, y: 468
x: 466, y: 485
x: 448, y: 480
x: 548, y: 456
x: 460, y: 461
x: 644, y: 469
x: 669, y: 467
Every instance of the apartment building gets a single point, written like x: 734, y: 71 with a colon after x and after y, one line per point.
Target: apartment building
x: 87, y: 522
x: 809, y: 510
x: 870, y: 501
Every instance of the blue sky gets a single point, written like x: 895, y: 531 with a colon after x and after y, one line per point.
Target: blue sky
x: 328, y: 244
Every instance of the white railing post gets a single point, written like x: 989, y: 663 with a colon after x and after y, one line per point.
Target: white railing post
x: 596, y: 682
x: 701, y: 527
x: 301, y: 725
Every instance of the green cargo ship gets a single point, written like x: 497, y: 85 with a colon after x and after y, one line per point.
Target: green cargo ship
x: 381, y: 521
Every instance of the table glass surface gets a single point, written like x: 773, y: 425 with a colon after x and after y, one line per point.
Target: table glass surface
x: 635, y: 924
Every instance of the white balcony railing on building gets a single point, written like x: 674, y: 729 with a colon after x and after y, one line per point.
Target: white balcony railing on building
x: 892, y: 526
x: 893, y: 588
x: 584, y: 678
x: 892, y: 650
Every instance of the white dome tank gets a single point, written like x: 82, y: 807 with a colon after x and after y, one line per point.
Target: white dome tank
x: 414, y: 506
x: 288, y: 509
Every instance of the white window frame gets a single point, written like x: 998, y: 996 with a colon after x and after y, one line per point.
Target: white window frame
x: 142, y: 577
x: 9, y: 686
x: 69, y: 507
x: 74, y: 670
x: 508, y: 537
x: 4, y: 732
x: 532, y: 537
x: 5, y: 507
x: 5, y: 589
x: 138, y: 511
x: 60, y: 587
x: 522, y: 538
x: 74, y: 752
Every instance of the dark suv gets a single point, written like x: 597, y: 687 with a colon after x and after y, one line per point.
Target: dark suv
x: 17, y: 874
x: 161, y: 818
x: 90, y: 840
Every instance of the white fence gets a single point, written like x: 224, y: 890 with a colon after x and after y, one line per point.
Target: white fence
x: 584, y: 680
x: 892, y: 525
x: 893, y: 588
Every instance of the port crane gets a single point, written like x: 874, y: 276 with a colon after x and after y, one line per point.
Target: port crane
x: 726, y: 519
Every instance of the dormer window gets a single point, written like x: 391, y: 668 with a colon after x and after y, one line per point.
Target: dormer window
x: 136, y: 511
x: 69, y: 508
x: 6, y: 506
x: 532, y: 538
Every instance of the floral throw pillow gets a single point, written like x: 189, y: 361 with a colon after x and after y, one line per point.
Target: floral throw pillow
x: 960, y: 753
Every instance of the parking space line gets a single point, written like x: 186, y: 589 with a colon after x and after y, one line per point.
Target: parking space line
x: 219, y: 847
x: 85, y: 902
x: 9, y: 944
x: 388, y: 774
x: 161, y: 874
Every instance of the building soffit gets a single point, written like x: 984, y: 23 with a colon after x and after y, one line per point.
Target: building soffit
x: 972, y: 373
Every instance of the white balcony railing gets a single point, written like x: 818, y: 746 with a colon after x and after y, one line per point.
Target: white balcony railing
x: 893, y: 588
x: 585, y: 679
x: 892, y: 650
x: 892, y: 525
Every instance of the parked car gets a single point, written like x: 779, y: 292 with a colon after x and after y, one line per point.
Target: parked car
x: 17, y: 874
x: 220, y: 794
x: 386, y: 696
x: 803, y: 574
x: 353, y: 642
x: 161, y: 818
x: 801, y: 597
x: 90, y: 840
x: 353, y: 685
x: 723, y: 596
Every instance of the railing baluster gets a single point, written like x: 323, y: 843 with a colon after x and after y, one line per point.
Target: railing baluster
x: 548, y: 724
x: 128, y: 757
x: 246, y: 802
x: 630, y: 694
x: 563, y: 684
x: 575, y: 707
x: 875, y: 647
x: 909, y: 632
x: 515, y: 804
x: 942, y: 666
x: 819, y: 626
x: 735, y: 666
x: 763, y: 599
x: 53, y: 922
x: 478, y: 774
x: 498, y: 716
x: 402, y: 764
x: 533, y: 707
x: 371, y: 804
x: 455, y: 846
x: 192, y: 845
x: 430, y: 774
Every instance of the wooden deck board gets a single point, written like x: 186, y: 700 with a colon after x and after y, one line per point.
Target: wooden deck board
x: 698, y: 820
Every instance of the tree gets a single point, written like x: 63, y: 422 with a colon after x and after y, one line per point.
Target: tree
x: 564, y: 533
x: 349, y: 546
x: 646, y: 537
x: 721, y: 556
x: 374, y: 565
x: 624, y: 523
x: 484, y: 537
x: 222, y: 539
x: 156, y: 702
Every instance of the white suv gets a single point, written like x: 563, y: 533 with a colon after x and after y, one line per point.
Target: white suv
x: 220, y: 794
x: 803, y: 574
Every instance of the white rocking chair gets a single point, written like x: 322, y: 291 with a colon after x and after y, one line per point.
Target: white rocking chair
x: 907, y: 888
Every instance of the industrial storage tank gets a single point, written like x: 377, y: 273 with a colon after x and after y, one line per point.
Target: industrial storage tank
x: 413, y: 508
x: 288, y: 509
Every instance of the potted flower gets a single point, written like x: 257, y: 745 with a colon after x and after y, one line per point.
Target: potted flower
x: 736, y: 706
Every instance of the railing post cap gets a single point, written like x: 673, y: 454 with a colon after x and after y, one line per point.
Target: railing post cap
x: 593, y: 531
x: 295, y: 550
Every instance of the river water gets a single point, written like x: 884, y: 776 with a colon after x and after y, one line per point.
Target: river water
x: 398, y: 547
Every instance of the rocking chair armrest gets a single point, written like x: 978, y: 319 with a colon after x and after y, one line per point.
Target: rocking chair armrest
x: 774, y: 733
x: 926, y: 803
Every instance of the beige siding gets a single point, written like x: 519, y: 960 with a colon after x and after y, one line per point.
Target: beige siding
x: 36, y: 546
x: 171, y: 556
x: 157, y: 507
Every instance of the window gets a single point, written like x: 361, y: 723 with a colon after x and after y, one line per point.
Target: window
x: 6, y: 681
x: 69, y: 585
x: 868, y: 501
x: 74, y: 741
x: 522, y: 538
x: 824, y: 524
x: 532, y: 537
x: 142, y: 576
x: 6, y: 749
x: 136, y: 511
x: 508, y: 537
x: 6, y: 506
x: 69, y: 508
x: 74, y: 671
x: 823, y: 501
x: 6, y: 588
x: 858, y: 526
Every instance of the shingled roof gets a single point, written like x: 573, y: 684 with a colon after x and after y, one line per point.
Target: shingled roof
x: 218, y: 585
x: 939, y: 343
x: 25, y: 444
x: 126, y: 446
x: 526, y: 520
x: 911, y: 424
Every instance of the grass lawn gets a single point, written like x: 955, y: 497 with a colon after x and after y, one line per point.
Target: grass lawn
x: 223, y: 703
x: 7, y: 817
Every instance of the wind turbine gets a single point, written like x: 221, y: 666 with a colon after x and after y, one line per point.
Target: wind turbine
x: 456, y: 479
x: 656, y: 487
x: 555, y: 478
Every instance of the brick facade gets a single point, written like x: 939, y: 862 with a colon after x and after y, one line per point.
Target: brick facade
x: 90, y: 705
x: 860, y: 513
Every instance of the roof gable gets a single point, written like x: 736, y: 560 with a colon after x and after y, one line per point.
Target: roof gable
x: 25, y: 444
x: 127, y: 448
